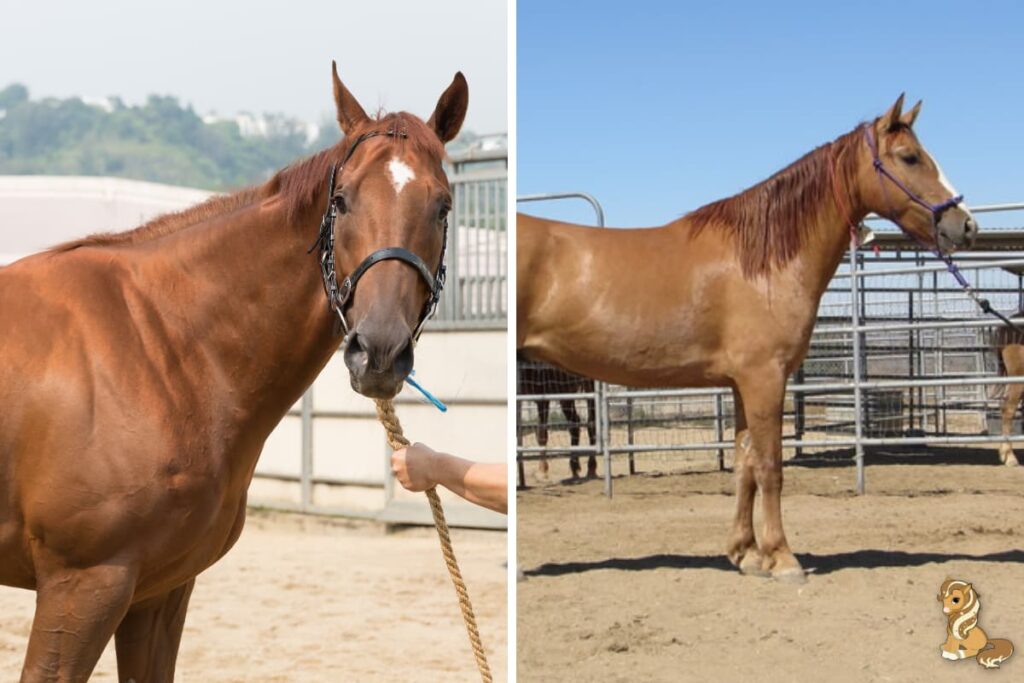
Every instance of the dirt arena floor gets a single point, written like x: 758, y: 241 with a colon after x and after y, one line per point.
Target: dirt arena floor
x: 310, y: 599
x: 636, y: 588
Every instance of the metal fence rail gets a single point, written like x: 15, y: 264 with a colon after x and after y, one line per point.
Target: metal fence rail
x: 900, y: 357
x: 476, y: 292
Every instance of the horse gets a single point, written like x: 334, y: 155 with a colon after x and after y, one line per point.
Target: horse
x: 537, y: 378
x: 143, y: 371
x: 727, y: 295
x: 1009, y: 347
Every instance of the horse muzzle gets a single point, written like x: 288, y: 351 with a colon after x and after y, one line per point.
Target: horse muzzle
x: 955, y: 229
x: 379, y: 359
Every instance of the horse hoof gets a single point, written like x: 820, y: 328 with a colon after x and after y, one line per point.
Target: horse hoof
x: 751, y: 565
x: 792, y: 575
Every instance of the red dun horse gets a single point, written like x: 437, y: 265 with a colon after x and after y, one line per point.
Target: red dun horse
x: 1009, y: 348
x: 143, y: 371
x: 728, y: 294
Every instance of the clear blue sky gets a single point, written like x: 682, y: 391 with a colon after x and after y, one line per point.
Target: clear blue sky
x: 660, y: 107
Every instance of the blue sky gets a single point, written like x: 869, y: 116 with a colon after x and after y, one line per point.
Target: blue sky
x: 660, y: 107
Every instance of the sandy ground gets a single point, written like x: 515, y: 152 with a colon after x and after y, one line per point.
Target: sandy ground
x: 636, y: 588
x: 310, y: 599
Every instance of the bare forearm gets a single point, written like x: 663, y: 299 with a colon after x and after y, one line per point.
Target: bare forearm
x: 484, y: 484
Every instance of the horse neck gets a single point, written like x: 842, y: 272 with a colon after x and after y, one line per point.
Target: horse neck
x: 246, y: 297
x: 840, y: 210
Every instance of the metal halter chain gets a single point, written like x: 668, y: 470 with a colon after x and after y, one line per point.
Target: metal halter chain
x: 936, y: 211
x: 338, y: 296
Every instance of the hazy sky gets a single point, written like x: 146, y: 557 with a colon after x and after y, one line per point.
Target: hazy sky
x: 262, y: 56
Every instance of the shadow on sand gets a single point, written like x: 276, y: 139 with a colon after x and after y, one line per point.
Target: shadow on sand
x: 815, y: 564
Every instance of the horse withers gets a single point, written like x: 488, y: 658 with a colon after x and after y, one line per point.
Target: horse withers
x: 728, y: 295
x: 143, y: 371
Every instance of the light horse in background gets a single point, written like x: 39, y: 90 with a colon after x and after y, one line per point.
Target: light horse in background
x: 142, y: 372
x: 1008, y: 344
x: 728, y: 294
x: 541, y: 378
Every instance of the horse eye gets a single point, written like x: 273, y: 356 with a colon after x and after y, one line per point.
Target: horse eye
x: 339, y: 203
x: 956, y: 600
x: 442, y: 213
x: 910, y: 159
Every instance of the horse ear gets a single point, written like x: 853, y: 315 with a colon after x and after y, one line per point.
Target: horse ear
x: 350, y: 113
x: 450, y: 111
x: 891, y: 118
x: 911, y: 115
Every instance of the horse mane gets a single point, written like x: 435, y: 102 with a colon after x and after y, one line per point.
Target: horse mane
x: 299, y: 184
x: 769, y: 222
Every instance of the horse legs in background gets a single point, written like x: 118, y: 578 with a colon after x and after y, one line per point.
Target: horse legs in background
x: 573, y: 417
x: 147, y: 639
x: 1010, y: 404
x: 761, y: 448
x: 591, y: 430
x: 542, y: 434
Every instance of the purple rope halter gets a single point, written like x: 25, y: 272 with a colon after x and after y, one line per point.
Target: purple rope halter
x: 936, y: 211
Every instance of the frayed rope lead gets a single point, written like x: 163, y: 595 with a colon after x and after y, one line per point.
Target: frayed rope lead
x: 389, y: 419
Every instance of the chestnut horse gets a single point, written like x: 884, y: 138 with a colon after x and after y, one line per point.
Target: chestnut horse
x: 728, y: 294
x: 539, y: 378
x: 142, y: 372
x: 1008, y: 344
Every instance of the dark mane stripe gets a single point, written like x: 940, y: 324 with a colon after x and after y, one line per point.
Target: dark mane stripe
x: 769, y: 222
x: 299, y: 184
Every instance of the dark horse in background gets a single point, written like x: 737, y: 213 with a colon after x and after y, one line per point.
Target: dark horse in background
x: 728, y: 294
x: 540, y: 378
x: 141, y: 373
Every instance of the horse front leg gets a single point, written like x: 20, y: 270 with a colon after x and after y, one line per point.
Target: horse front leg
x: 147, y: 639
x: 77, y: 611
x: 1009, y: 411
x: 742, y: 550
x: 763, y: 396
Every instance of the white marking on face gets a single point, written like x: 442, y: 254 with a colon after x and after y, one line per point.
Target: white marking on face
x: 944, y: 181
x: 400, y: 174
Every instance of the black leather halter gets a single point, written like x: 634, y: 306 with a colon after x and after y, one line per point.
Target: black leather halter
x: 338, y: 296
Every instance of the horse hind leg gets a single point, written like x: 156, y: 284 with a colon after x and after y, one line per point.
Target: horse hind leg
x: 1011, y: 401
x: 742, y: 550
x: 77, y: 611
x: 147, y: 639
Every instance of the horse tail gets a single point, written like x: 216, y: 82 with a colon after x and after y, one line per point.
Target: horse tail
x: 999, y: 652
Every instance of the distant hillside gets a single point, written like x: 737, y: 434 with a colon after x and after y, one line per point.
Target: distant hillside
x: 161, y: 141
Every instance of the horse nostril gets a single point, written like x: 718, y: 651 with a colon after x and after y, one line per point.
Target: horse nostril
x: 356, y: 357
x: 404, y: 360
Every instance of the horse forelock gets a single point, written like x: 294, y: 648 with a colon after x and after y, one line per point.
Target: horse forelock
x: 299, y: 184
x: 770, y: 221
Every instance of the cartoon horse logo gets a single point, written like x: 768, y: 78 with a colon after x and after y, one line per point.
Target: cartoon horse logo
x: 964, y: 637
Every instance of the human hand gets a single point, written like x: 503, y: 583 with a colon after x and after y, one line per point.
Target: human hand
x: 413, y: 467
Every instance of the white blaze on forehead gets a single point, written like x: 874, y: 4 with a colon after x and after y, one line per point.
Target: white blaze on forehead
x: 400, y: 173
